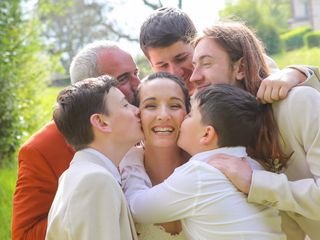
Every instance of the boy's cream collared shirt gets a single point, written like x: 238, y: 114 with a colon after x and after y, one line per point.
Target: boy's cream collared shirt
x: 199, y: 195
x: 89, y: 203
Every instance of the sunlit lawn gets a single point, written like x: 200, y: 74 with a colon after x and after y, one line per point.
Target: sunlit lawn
x: 7, y: 184
x: 303, y: 56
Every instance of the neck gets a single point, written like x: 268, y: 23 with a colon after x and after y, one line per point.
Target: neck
x: 161, y: 162
x: 114, y: 152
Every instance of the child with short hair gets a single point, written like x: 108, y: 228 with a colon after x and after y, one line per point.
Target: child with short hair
x: 97, y: 120
x: 223, y: 119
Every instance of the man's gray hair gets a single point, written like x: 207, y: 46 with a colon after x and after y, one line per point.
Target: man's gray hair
x: 84, y: 64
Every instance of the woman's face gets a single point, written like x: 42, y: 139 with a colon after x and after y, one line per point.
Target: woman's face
x: 162, y: 107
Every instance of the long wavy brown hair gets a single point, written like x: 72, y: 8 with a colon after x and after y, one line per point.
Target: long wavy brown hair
x: 239, y: 42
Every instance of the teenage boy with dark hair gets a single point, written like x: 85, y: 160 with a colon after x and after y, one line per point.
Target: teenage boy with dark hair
x: 165, y: 39
x: 223, y: 119
x: 97, y: 120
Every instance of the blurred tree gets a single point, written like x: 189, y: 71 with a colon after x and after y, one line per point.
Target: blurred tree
x: 159, y: 4
x: 266, y: 17
x: 23, y: 73
x: 71, y: 24
x: 277, y: 12
x: 144, y: 66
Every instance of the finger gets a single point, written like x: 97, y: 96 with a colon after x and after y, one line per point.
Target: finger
x: 275, y: 93
x: 222, y: 167
x: 222, y: 159
x: 260, y: 92
x: 283, y: 92
x: 267, y: 95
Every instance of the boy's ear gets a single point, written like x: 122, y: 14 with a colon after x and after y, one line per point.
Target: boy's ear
x: 209, y: 136
x: 239, y: 69
x: 98, y: 122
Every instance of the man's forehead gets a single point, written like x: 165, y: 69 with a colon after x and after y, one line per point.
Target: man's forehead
x: 116, y: 62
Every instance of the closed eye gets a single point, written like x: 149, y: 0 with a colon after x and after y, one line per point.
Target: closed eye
x: 176, y: 106
x: 149, y: 106
x: 122, y: 79
x: 181, y: 59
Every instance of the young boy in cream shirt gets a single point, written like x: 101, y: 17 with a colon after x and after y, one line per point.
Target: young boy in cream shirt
x: 95, y: 118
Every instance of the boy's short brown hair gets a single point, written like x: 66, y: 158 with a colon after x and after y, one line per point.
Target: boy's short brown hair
x: 75, y: 105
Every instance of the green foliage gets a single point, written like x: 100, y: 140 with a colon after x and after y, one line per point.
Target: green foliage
x: 48, y: 97
x: 23, y: 73
x: 256, y: 15
x: 294, y: 39
x: 71, y: 24
x: 270, y: 37
x: 143, y: 65
x: 312, y: 39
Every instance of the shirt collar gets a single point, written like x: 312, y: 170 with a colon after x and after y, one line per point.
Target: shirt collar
x: 234, y: 151
x: 109, y: 164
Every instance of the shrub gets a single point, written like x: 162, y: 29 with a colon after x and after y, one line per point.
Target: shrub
x: 294, y: 38
x: 270, y: 37
x: 312, y: 39
x: 23, y: 73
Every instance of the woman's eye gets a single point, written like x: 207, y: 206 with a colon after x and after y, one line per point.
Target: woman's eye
x: 150, y: 106
x: 176, y: 106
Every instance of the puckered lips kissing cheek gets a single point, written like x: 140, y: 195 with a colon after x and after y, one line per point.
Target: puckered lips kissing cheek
x: 140, y: 124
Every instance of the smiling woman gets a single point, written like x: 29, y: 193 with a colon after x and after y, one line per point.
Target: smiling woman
x: 163, y: 108
x: 164, y: 102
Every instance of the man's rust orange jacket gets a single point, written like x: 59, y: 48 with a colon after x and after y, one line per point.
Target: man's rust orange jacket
x: 42, y: 159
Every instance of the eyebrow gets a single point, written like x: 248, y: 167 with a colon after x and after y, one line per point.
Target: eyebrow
x: 122, y: 75
x: 160, y: 63
x: 153, y: 98
x: 202, y: 57
x: 177, y: 56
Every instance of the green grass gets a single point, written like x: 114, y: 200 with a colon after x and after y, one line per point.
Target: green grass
x: 302, y: 56
x: 8, y: 173
x: 7, y: 185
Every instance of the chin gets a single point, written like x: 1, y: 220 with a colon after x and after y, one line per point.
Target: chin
x: 165, y: 144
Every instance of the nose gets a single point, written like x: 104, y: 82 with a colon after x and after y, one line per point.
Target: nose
x: 134, y: 83
x: 163, y: 113
x: 175, y: 69
x: 195, y: 76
